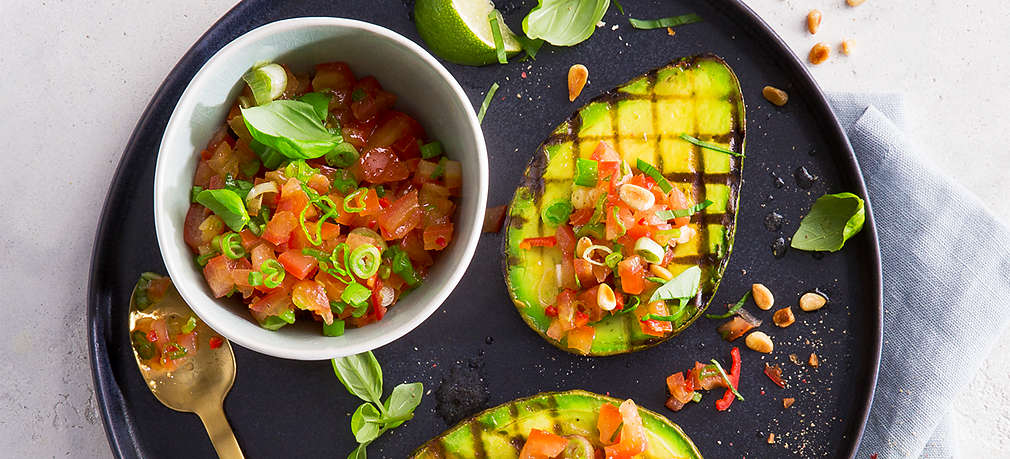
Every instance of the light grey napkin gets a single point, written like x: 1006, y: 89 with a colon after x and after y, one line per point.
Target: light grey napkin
x: 946, y: 269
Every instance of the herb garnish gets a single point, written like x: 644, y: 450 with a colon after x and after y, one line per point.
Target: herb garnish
x: 487, y: 101
x: 651, y: 171
x: 832, y: 220
x: 725, y: 377
x: 564, y: 22
x: 499, y: 44
x: 683, y: 287
x: 661, y: 23
x: 729, y: 313
x: 290, y: 127
x: 711, y: 146
x: 362, y: 376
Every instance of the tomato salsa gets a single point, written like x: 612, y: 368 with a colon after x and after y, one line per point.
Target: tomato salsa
x: 317, y: 199
x: 616, y: 236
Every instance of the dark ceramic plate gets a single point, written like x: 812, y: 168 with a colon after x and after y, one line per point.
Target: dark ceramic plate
x: 476, y: 350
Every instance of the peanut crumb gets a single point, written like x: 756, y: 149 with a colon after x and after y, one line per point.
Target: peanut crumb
x: 846, y: 47
x: 771, y: 438
x: 814, y: 361
x: 787, y: 402
x: 670, y: 31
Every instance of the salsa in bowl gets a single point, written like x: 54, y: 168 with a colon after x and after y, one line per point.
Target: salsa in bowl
x: 319, y: 217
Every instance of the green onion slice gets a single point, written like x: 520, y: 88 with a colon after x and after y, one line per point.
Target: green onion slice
x: 499, y: 43
x: 729, y: 313
x: 190, y: 325
x: 355, y: 294
x: 273, y: 273
x: 203, y: 259
x: 586, y: 172
x: 672, y: 21
x: 360, y: 194
x: 613, y: 259
x: 267, y: 82
x: 631, y: 305
x: 620, y: 223
x: 487, y: 102
x: 334, y: 329
x: 711, y: 146
x: 671, y: 214
x: 649, y: 250
x: 619, y: 7
x: 651, y: 171
x: 431, y: 149
x: 231, y: 246
x: 365, y: 260
x: 557, y: 213
x: 726, y: 378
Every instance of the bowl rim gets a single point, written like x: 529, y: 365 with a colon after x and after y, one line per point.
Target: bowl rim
x: 441, y: 293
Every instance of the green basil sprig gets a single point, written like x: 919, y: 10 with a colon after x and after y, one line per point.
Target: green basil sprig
x: 362, y: 376
x: 564, y: 22
x: 683, y: 287
x: 290, y: 127
x: 832, y: 220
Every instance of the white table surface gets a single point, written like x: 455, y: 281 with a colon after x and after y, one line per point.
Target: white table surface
x: 80, y: 73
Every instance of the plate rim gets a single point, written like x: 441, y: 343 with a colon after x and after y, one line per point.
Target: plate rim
x: 115, y: 419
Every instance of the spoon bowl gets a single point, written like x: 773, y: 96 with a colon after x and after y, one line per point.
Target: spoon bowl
x: 198, y: 385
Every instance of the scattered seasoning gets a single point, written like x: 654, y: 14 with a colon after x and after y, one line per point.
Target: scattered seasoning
x: 814, y: 21
x: 775, y: 95
x: 846, y: 47
x: 771, y: 438
x: 774, y: 373
x: 811, y: 301
x: 819, y: 53
x: 763, y: 297
x: 795, y: 359
x: 670, y: 31
x: 578, y: 75
x: 787, y: 402
x: 814, y: 361
x: 784, y: 317
x: 523, y: 74
x: 494, y: 217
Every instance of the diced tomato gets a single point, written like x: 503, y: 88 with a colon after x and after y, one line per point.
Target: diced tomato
x: 633, y: 440
x: 203, y: 173
x: 293, y: 199
x: 260, y: 254
x: 370, y: 202
x: 374, y: 99
x: 297, y: 264
x: 393, y: 126
x: 581, y: 216
x: 311, y: 296
x: 357, y: 132
x: 453, y: 174
x: 407, y: 147
x: 618, y: 224
x: 607, y: 423
x: 656, y: 327
x: 581, y: 338
x: 218, y: 275
x: 320, y: 183
x: 680, y: 388
x: 215, y: 342
x: 632, y: 273
x: 401, y: 216
x: 333, y: 75
x: 437, y: 237
x: 413, y: 244
x: 605, y: 152
x: 566, y: 309
x: 223, y: 162
x: 187, y: 341
x: 676, y: 200
x: 381, y: 165
x: 541, y: 444
x: 566, y: 243
x: 191, y: 232
x: 280, y: 227
x: 584, y: 272
x: 554, y: 331
x: 271, y: 304
x: 436, y: 205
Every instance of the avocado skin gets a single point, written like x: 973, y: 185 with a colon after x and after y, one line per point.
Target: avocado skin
x: 502, y: 430
x: 703, y: 86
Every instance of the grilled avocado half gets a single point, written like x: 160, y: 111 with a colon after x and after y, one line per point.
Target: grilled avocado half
x: 500, y: 432
x: 643, y: 119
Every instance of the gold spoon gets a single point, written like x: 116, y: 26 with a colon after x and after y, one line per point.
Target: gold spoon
x: 200, y: 383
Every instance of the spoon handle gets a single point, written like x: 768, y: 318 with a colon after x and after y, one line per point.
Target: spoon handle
x: 220, y: 433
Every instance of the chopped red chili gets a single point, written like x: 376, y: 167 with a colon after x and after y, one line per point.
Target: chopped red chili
x: 545, y: 241
x: 152, y: 336
x: 774, y: 373
x: 216, y: 342
x: 734, y: 377
x: 551, y: 311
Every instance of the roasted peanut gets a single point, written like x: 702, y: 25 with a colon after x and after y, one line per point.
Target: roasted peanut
x: 814, y: 21
x: 578, y: 75
x: 814, y: 361
x: 787, y: 402
x: 819, y: 53
x: 760, y: 342
x: 660, y: 272
x: 763, y: 297
x: 811, y: 301
x: 605, y: 298
x: 846, y: 47
x: 775, y: 95
x: 784, y: 317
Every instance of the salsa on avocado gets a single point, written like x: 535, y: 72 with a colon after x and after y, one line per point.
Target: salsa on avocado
x: 317, y: 198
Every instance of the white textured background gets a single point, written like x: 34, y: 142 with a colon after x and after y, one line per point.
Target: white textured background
x: 78, y: 75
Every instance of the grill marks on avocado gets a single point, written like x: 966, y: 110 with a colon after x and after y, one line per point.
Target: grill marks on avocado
x: 699, y: 96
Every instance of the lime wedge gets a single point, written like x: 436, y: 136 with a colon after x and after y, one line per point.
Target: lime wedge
x: 459, y: 30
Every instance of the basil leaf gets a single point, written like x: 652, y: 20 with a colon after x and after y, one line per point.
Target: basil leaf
x: 832, y: 220
x: 225, y: 204
x: 240, y: 187
x: 320, y: 102
x: 564, y: 22
x: 361, y: 375
x: 672, y: 21
x: 366, y: 423
x: 359, y: 452
x: 404, y: 399
x: 685, y: 285
x: 291, y: 127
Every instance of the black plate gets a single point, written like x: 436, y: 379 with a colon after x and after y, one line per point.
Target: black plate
x: 281, y: 408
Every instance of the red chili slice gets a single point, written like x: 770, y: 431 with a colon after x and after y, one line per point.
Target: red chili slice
x: 774, y: 373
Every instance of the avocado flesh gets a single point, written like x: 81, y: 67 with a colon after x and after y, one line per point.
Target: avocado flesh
x: 644, y: 118
x: 500, y: 432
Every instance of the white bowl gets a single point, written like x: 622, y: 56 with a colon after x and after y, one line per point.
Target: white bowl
x: 424, y: 90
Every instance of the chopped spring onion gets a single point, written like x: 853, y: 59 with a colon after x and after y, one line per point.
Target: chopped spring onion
x: 360, y: 194
x: 401, y: 266
x: 365, y: 260
x: 196, y: 191
x: 631, y: 305
x: 557, y: 213
x: 272, y: 272
x: 597, y: 230
x: 499, y: 43
x: 439, y: 170
x: 711, y: 146
x: 231, y: 246
x: 190, y: 325
x: 649, y: 250
x: 651, y: 171
x: 202, y: 259
x: 487, y: 102
x: 658, y: 280
x: 598, y: 212
x: 619, y: 7
x: 300, y: 170
x: 729, y: 313
x: 344, y: 181
x: 726, y: 378
x: 431, y: 149
x: 334, y: 329
x: 380, y: 191
x: 144, y: 348
x: 613, y: 259
x: 620, y: 223
x: 355, y: 294
x: 671, y: 214
x: 662, y: 318
x: 661, y: 23
x: 175, y: 351
x: 587, y: 254
x: 267, y: 82
x: 344, y: 155
x: 586, y: 172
